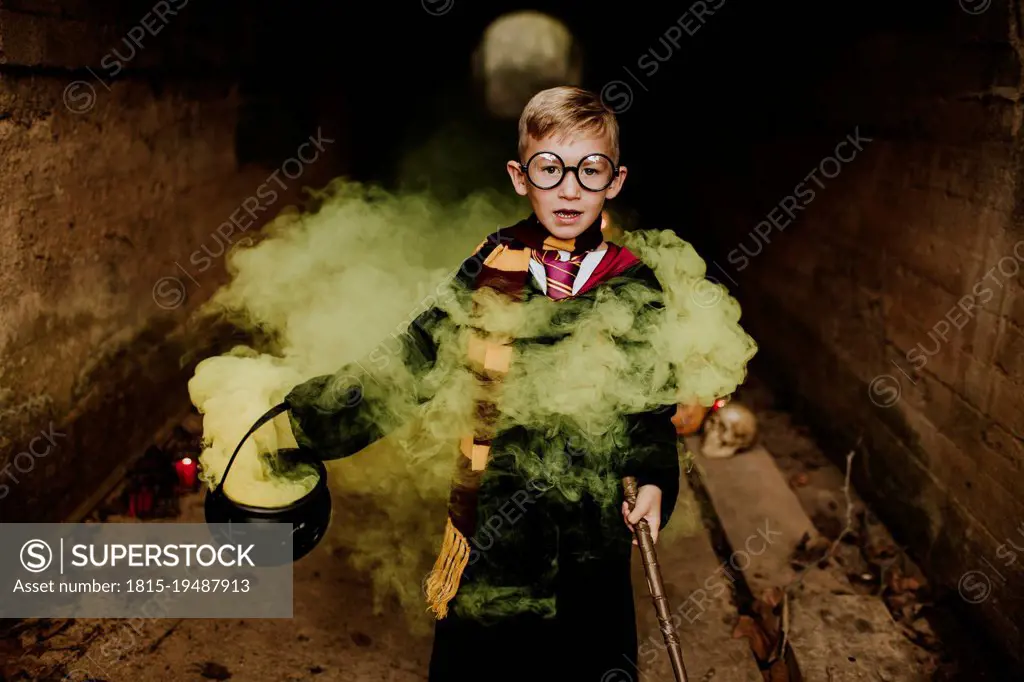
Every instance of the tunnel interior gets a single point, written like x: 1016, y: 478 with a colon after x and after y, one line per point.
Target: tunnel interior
x: 850, y: 173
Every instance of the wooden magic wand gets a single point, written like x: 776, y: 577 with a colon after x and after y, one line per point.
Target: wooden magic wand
x: 654, y: 582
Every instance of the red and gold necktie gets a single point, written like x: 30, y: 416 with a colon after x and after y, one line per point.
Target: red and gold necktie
x: 560, y: 274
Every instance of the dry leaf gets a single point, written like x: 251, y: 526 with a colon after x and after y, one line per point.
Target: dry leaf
x: 773, y: 596
x: 54, y: 627
x: 778, y: 672
x: 910, y: 584
x: 759, y: 643
x: 213, y: 671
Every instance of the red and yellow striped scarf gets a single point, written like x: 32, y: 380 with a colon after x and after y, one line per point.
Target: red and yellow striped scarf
x: 504, y: 259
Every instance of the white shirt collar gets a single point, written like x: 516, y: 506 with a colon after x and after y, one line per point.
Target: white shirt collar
x: 587, y: 267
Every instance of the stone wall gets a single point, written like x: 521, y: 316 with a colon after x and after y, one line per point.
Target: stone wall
x: 872, y: 231
x: 126, y: 172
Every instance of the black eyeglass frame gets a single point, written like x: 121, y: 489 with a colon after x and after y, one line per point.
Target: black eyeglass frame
x: 525, y: 167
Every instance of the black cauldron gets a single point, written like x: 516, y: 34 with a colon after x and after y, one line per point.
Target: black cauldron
x: 310, y: 515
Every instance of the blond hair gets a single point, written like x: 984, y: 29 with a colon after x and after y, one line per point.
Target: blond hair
x: 565, y: 110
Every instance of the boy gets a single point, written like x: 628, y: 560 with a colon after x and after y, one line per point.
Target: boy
x: 533, y: 579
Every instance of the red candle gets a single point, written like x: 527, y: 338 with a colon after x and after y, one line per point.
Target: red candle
x: 187, y: 469
x: 145, y: 501
x: 140, y: 502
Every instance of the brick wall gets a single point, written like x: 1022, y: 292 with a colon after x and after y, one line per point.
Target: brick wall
x: 889, y: 303
x: 118, y: 163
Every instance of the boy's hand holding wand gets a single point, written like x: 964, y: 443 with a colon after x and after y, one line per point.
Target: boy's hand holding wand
x: 637, y: 520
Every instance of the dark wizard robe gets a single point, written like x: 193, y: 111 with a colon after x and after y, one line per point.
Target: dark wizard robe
x: 547, y: 592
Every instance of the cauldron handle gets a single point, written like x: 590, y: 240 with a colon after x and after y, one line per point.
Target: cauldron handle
x: 270, y: 414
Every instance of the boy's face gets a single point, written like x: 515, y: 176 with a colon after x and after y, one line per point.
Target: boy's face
x: 567, y: 209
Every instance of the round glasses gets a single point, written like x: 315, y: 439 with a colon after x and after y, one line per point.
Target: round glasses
x: 546, y: 170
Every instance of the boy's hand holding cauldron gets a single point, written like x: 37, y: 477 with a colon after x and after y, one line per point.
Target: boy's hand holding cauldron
x: 648, y: 506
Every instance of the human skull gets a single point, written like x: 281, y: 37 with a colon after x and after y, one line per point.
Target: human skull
x: 730, y: 429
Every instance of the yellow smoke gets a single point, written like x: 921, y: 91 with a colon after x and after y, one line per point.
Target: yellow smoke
x: 338, y: 286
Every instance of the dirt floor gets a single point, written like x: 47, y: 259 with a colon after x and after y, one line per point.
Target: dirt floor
x: 874, y: 562
x: 335, y: 636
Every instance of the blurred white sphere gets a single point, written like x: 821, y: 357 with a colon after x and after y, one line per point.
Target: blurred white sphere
x: 521, y: 54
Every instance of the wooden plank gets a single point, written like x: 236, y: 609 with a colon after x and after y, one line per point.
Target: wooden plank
x: 848, y: 638
x: 700, y: 597
x: 761, y: 516
x: 835, y: 634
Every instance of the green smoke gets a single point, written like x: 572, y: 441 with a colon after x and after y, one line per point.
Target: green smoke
x: 337, y: 287
x: 334, y: 291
